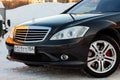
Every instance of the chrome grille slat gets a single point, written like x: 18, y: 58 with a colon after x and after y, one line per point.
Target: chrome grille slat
x: 31, y: 35
x: 20, y: 38
x: 34, y: 39
x: 36, y: 33
x: 20, y: 33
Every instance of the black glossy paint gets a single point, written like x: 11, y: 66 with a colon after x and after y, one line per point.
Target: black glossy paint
x: 100, y: 23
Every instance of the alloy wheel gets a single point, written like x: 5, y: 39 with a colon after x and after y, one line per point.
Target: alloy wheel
x: 101, y: 56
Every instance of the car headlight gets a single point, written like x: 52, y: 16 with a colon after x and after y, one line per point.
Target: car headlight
x: 70, y: 33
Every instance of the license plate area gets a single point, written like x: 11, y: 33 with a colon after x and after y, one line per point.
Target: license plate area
x: 24, y: 49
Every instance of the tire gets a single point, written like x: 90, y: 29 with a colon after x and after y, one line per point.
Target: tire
x: 103, y: 56
x: 33, y: 65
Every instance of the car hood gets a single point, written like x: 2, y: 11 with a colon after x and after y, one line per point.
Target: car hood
x: 59, y: 20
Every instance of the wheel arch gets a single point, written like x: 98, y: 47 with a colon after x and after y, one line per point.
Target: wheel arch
x: 111, y: 32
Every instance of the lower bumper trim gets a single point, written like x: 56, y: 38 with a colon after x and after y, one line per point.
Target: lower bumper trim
x: 75, y: 63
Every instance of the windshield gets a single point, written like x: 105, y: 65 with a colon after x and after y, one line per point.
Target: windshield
x: 96, y: 6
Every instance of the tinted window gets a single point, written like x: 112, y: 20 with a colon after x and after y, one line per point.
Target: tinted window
x: 108, y: 5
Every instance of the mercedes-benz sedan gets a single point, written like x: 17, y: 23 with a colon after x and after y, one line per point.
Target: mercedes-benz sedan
x: 87, y: 34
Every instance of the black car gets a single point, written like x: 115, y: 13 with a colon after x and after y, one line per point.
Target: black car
x: 87, y: 34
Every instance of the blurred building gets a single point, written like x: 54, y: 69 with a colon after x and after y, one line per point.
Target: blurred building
x: 63, y: 1
x: 9, y: 4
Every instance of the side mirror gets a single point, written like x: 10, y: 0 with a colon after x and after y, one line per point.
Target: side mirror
x: 9, y: 22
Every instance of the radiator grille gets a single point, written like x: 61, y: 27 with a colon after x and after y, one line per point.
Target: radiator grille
x: 31, y: 35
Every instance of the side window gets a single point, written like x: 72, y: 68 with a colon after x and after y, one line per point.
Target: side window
x: 108, y: 5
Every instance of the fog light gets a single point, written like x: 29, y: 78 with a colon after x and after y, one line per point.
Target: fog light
x: 64, y: 57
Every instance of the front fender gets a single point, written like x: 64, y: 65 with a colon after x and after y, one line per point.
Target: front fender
x: 100, y: 25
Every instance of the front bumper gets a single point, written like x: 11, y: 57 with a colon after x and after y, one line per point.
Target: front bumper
x: 48, y: 63
x: 49, y: 53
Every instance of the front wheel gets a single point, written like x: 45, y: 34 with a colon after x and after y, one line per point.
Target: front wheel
x: 103, y: 57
